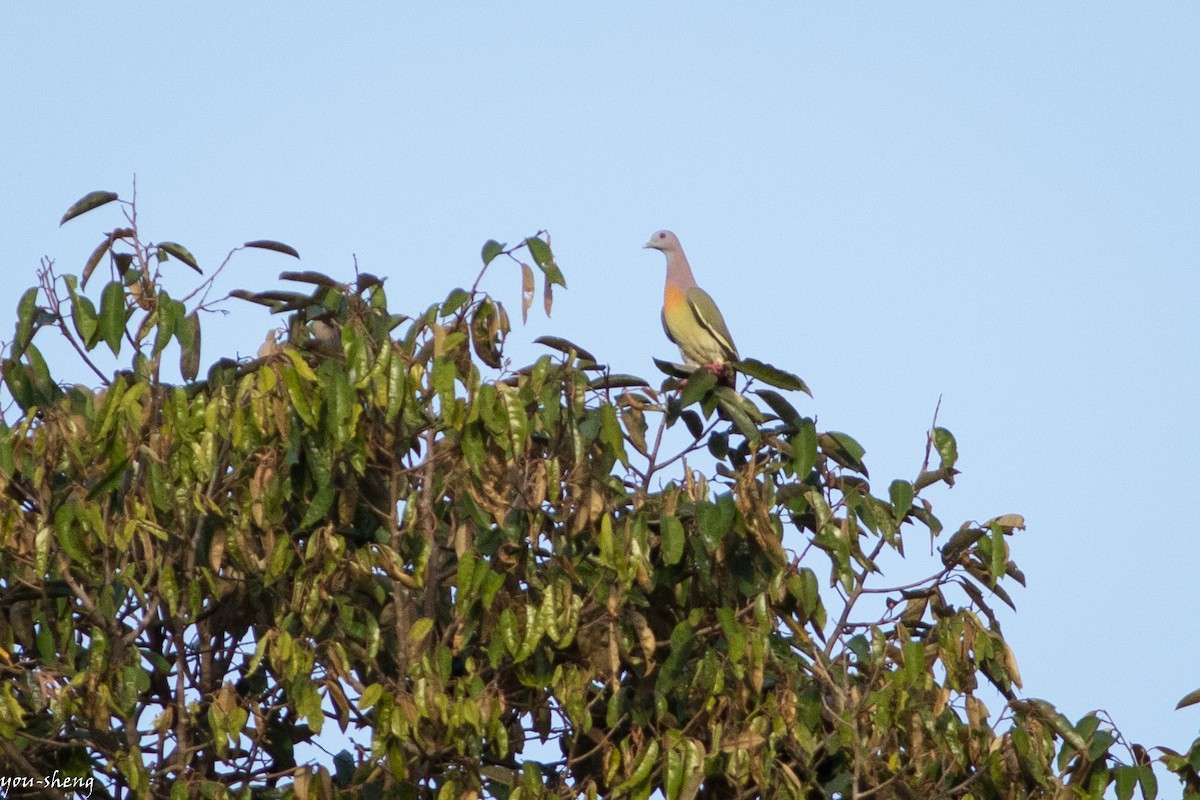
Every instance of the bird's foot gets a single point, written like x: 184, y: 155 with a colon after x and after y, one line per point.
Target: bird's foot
x: 724, y: 373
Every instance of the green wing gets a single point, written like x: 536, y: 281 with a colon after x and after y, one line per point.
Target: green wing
x: 709, y: 317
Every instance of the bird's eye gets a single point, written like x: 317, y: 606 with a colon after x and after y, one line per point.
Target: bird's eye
x: 662, y: 235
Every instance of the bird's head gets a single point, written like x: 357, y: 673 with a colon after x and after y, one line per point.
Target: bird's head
x: 663, y: 240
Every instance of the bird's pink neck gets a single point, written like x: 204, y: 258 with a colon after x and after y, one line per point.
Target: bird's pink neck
x: 679, y: 273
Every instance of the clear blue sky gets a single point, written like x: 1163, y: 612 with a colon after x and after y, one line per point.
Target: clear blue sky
x: 995, y: 203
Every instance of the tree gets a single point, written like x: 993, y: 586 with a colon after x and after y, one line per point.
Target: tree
x: 377, y: 538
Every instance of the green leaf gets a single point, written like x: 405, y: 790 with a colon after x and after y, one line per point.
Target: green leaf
x: 699, y: 384
x: 634, y: 422
x: 26, y: 317
x: 804, y: 448
x: 674, y: 773
x: 531, y: 780
x: 958, y: 544
x: 901, y: 494
x: 85, y: 319
x: 617, y: 381
x: 281, y: 558
x: 545, y: 261
x: 999, y: 554
x: 170, y: 315
x: 471, y: 443
x: 771, y: 375
x: 610, y: 433
x: 491, y: 249
x: 112, y: 315
x: 343, y: 764
x: 1126, y: 780
x: 804, y: 587
x: 487, y: 334
x: 122, y: 261
x: 443, y: 378
x: 947, y: 448
x: 93, y: 260
x: 180, y: 252
x: 861, y: 648
x: 365, y: 281
x: 727, y: 399
x: 271, y: 244
x: 735, y: 634
x: 188, y: 334
x: 843, y: 449
x: 518, y: 422
x: 714, y: 523
x: 419, y: 630
x: 564, y: 346
x: 674, y: 370
x: 299, y: 395
x: 913, y: 657
x: 718, y: 444
x: 87, y: 203
x: 16, y: 376
x: 70, y: 535
x: 321, y: 502
x: 454, y: 301
x: 277, y: 301
x: 110, y: 480
x: 1189, y: 699
x: 1099, y: 744
x: 786, y: 412
x: 46, y: 390
x: 313, y: 277
x: 1087, y: 728
x: 1148, y: 781
x: 673, y: 539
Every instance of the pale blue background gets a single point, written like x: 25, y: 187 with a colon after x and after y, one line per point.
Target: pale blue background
x: 993, y: 203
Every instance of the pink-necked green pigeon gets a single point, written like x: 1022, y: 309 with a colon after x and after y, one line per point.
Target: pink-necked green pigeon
x: 689, y: 316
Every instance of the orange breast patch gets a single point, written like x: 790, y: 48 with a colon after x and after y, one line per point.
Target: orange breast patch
x: 673, y: 296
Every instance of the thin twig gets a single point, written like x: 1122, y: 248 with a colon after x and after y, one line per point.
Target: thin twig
x: 48, y: 279
x: 15, y: 757
x: 860, y: 580
x: 934, y: 579
x: 429, y: 527
x: 207, y: 284
x: 929, y: 438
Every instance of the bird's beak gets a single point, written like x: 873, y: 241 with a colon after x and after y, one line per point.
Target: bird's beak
x: 648, y: 245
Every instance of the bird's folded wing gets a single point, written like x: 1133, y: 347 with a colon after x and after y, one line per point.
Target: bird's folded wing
x: 709, y: 317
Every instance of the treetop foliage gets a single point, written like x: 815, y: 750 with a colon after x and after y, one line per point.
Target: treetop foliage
x: 378, y: 561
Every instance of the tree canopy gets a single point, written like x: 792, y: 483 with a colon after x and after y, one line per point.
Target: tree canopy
x: 378, y: 560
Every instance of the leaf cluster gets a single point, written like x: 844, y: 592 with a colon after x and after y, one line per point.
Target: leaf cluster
x: 376, y: 526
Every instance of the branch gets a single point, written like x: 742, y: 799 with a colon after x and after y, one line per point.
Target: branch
x: 652, y: 465
x: 935, y: 579
x: 927, y: 477
x: 207, y: 284
x: 47, y: 278
x: 14, y: 756
x: 860, y: 581
x: 429, y: 527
